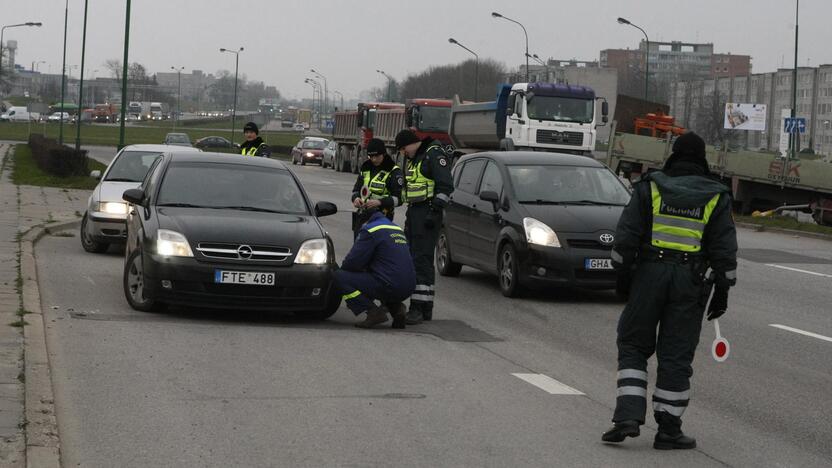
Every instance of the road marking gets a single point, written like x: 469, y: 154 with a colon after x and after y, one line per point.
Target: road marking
x: 548, y: 384
x: 802, y: 332
x: 799, y: 270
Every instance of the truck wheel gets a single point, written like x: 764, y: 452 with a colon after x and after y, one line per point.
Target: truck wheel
x: 507, y: 144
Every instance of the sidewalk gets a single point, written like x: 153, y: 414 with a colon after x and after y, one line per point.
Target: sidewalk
x: 21, y: 208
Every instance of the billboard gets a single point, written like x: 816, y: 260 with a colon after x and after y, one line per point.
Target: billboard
x: 745, y: 116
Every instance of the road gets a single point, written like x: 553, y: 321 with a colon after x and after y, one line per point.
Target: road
x: 196, y: 388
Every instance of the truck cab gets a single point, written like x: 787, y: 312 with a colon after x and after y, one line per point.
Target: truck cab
x: 429, y: 118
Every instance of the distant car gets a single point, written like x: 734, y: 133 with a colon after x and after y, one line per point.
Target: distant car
x: 177, y: 139
x: 532, y: 218
x: 309, y: 150
x: 214, y: 142
x: 213, y: 231
x: 58, y: 116
x: 19, y: 114
x: 103, y: 221
x: 328, y: 158
x: 298, y: 127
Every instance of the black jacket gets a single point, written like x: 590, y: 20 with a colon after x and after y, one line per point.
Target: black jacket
x: 395, y: 182
x: 437, y: 166
x: 682, y: 189
x: 262, y: 148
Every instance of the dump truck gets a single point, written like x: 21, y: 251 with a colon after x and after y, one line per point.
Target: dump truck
x: 105, y: 113
x: 353, y: 130
x: 529, y: 116
x: 428, y: 118
x: 759, y: 180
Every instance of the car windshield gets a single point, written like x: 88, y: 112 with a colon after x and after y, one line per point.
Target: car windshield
x: 178, y: 138
x: 231, y: 186
x: 434, y: 119
x: 313, y: 144
x: 131, y: 166
x: 561, y: 109
x: 567, y: 185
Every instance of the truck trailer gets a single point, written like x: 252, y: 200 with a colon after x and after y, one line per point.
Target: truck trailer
x: 353, y: 131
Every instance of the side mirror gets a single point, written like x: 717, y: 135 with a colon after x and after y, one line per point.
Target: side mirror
x: 322, y: 208
x: 490, y: 196
x: 134, y: 196
x: 605, y: 109
x: 95, y: 175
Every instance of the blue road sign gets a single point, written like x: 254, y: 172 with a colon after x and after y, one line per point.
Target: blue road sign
x: 794, y: 125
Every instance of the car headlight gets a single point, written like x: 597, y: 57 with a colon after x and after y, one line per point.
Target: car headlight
x: 539, y: 233
x: 309, y: 155
x: 313, y: 252
x: 117, y: 208
x: 172, y: 244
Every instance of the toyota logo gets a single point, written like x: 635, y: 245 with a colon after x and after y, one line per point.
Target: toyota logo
x: 607, y: 239
x: 244, y: 252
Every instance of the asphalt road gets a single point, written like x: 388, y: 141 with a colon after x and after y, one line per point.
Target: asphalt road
x: 197, y: 388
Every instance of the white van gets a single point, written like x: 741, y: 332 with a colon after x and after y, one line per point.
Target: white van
x: 19, y: 114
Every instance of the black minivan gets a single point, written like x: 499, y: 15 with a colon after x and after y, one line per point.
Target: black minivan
x: 532, y: 219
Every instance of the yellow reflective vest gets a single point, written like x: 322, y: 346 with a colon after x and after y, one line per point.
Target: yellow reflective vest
x: 679, y: 228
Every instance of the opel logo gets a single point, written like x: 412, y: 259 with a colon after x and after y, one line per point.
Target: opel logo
x: 244, y: 252
x: 607, y: 239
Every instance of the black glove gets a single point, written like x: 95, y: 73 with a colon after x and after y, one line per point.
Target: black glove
x: 623, y: 283
x: 719, y: 303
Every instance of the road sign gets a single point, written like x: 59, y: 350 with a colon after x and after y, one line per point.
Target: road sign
x: 329, y: 124
x: 794, y: 125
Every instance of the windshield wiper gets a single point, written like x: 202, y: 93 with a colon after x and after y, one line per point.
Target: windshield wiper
x: 246, y: 208
x: 121, y: 179
x: 541, y: 202
x: 591, y: 202
x: 182, y: 205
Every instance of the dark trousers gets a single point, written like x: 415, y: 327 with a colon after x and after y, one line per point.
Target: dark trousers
x: 422, y: 241
x: 666, y: 297
x: 360, y: 289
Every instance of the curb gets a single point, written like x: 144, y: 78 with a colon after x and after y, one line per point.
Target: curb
x: 42, y: 440
x: 791, y: 232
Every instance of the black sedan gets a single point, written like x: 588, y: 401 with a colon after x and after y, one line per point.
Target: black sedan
x: 213, y: 230
x: 532, y: 219
x: 215, y: 143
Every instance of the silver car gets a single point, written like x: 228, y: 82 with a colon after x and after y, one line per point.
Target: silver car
x: 329, y: 155
x: 104, y: 221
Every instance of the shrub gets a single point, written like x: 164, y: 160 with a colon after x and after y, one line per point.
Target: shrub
x: 56, y: 159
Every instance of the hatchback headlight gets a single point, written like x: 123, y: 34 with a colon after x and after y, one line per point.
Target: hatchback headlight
x: 117, y: 208
x: 309, y: 155
x: 539, y: 233
x: 172, y: 244
x: 313, y: 252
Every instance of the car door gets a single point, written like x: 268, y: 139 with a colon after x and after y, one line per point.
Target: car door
x: 458, y: 212
x: 486, y: 220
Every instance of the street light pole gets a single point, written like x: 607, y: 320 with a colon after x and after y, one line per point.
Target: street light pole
x: 326, y: 90
x: 314, y: 84
x: 795, y: 136
x: 342, y: 98
x: 477, y: 65
x: 389, y: 85
x: 3, y: 32
x: 646, y: 53
x: 178, y: 93
x: 63, y: 78
x: 545, y: 65
x: 497, y: 15
x: 236, y: 73
x: 81, y: 84
x: 124, y: 77
x: 319, y: 88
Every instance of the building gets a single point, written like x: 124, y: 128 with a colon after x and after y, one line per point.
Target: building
x: 195, y: 85
x: 727, y: 65
x: 699, y: 105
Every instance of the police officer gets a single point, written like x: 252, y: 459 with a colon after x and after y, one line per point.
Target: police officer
x: 428, y: 186
x: 382, y: 181
x: 678, y: 224
x: 254, y: 145
x: 378, y: 267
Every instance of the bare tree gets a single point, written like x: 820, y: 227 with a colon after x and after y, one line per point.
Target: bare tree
x: 459, y: 79
x: 114, y: 67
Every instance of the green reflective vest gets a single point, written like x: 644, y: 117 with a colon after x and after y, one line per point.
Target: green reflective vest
x: 419, y: 188
x: 679, y: 228
x: 377, y: 185
x: 252, y: 151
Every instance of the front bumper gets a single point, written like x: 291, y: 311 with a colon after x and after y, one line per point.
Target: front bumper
x: 314, y: 158
x: 298, y: 288
x: 551, y: 266
x: 103, y: 227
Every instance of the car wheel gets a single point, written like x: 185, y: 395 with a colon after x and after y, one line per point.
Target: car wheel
x: 87, y: 241
x: 332, y: 305
x: 134, y: 282
x: 507, y: 270
x: 293, y: 159
x: 444, y: 264
x: 302, y: 161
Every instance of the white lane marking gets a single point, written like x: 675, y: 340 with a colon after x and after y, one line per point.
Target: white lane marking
x: 548, y: 384
x: 802, y: 332
x: 799, y: 270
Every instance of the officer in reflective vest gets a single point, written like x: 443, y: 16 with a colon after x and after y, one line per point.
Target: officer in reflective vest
x: 428, y: 187
x: 254, y: 145
x: 677, y: 225
x: 381, y: 181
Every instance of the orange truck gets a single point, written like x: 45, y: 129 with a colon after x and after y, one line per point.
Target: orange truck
x: 105, y: 113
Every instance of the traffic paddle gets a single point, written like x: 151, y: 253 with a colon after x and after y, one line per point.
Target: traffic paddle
x: 720, y: 348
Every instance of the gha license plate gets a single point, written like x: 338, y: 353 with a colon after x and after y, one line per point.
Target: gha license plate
x: 598, y: 264
x: 244, y: 277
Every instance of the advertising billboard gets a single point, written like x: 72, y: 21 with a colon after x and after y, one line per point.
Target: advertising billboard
x: 745, y: 116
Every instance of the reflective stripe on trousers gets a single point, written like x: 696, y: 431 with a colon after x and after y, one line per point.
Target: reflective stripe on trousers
x: 671, y: 402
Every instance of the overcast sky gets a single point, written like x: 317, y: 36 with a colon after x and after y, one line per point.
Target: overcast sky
x: 349, y: 40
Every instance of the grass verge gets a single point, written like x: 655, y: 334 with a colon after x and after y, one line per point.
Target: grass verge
x: 785, y: 222
x: 26, y: 172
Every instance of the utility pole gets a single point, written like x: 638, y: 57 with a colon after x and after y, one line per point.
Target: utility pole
x: 494, y: 14
x: 63, y: 78
x: 124, y: 77
x: 236, y: 73
x: 81, y: 84
x: 477, y: 65
x: 178, y: 93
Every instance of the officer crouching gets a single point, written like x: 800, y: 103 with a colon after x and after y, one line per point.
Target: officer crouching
x: 378, y: 267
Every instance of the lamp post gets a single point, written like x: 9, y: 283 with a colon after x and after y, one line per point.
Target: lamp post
x: 178, y: 93
x: 124, y: 77
x: 477, y: 65
x: 319, y: 88
x: 314, y: 85
x: 342, y: 98
x: 826, y: 124
x: 540, y: 61
x: 3, y: 32
x: 326, y: 90
x: 795, y: 136
x: 236, y: 73
x: 646, y: 53
x: 81, y: 83
x: 389, y: 84
x: 497, y: 15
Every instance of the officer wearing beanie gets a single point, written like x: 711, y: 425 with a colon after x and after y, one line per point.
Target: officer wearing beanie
x: 428, y: 187
x: 254, y: 145
x: 379, y: 185
x: 677, y: 225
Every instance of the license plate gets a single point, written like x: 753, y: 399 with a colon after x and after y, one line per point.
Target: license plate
x: 598, y: 264
x: 244, y: 277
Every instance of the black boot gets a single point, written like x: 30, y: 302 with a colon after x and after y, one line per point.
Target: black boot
x: 399, y: 313
x: 427, y: 315
x: 670, y: 435
x: 414, y: 316
x: 620, y: 431
x: 375, y: 316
